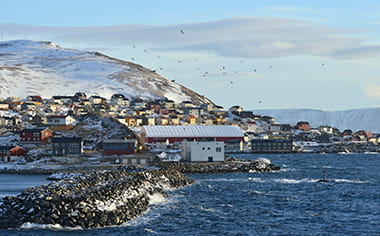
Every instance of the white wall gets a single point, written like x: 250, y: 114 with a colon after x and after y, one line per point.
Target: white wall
x: 201, y: 151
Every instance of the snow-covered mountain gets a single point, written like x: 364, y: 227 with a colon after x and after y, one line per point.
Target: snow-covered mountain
x: 356, y: 119
x: 45, y: 69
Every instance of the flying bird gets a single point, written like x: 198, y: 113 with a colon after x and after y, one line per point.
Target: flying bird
x: 181, y: 31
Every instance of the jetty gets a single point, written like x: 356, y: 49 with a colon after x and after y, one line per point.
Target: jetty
x: 91, y: 200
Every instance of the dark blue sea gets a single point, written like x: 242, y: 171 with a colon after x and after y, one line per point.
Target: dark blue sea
x: 288, y: 202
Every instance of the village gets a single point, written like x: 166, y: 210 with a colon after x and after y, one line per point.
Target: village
x: 119, y: 130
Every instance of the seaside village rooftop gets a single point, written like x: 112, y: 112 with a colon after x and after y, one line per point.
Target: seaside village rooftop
x: 125, y: 130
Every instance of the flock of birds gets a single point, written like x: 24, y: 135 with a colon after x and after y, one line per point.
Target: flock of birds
x: 222, y: 70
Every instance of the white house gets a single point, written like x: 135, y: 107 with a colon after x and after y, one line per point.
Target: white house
x: 202, y: 151
x: 61, y: 122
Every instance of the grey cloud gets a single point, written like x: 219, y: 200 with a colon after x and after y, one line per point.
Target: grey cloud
x: 235, y: 37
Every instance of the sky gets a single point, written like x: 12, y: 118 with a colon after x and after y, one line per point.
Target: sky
x: 271, y: 54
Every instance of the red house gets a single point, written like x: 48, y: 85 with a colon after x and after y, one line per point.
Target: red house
x: 36, y: 135
x: 10, y: 153
x: 303, y: 125
x: 119, y: 146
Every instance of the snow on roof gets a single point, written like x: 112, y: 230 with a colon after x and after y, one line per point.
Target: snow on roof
x: 193, y: 131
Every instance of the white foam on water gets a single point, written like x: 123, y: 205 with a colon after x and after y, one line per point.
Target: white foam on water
x: 286, y: 169
x: 150, y: 230
x: 156, y: 198
x: 288, y: 181
x: 154, y: 210
x: 258, y: 180
x: 222, y: 180
x: 308, y: 180
x: 256, y: 192
x: 29, y: 225
x: 206, y: 209
x: 354, y: 181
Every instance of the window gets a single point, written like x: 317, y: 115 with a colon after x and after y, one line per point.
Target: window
x: 218, y: 149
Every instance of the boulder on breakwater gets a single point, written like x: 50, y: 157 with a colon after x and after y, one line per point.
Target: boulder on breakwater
x: 230, y: 165
x: 96, y: 199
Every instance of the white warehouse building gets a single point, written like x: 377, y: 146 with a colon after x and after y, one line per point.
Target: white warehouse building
x: 231, y: 135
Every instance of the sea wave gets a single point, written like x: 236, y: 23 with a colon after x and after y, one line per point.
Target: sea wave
x: 29, y: 225
x: 287, y: 169
x: 308, y: 180
x: 354, y: 181
x: 221, y: 180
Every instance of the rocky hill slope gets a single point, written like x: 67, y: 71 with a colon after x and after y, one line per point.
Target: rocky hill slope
x: 45, y: 69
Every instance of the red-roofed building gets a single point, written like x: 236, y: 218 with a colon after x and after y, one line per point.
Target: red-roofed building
x: 11, y: 153
x: 231, y: 135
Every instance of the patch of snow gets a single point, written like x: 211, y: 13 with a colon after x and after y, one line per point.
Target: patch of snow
x: 25, y: 65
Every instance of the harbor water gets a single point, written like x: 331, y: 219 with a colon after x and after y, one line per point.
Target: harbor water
x: 292, y: 201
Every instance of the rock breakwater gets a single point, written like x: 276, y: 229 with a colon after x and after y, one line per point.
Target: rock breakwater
x: 231, y: 165
x: 96, y: 199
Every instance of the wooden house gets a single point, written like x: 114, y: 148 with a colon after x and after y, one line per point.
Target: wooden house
x: 119, y: 146
x: 61, y: 122
x: 11, y: 153
x: 97, y: 100
x: 63, y: 146
x: 4, y: 106
x: 36, y: 135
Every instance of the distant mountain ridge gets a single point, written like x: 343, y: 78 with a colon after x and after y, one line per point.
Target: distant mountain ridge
x: 43, y: 68
x: 355, y: 119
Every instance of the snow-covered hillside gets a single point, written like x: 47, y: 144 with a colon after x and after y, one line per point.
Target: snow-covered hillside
x: 45, y: 69
x: 356, y: 119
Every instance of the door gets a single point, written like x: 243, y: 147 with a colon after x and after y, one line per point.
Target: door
x: 210, y: 159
